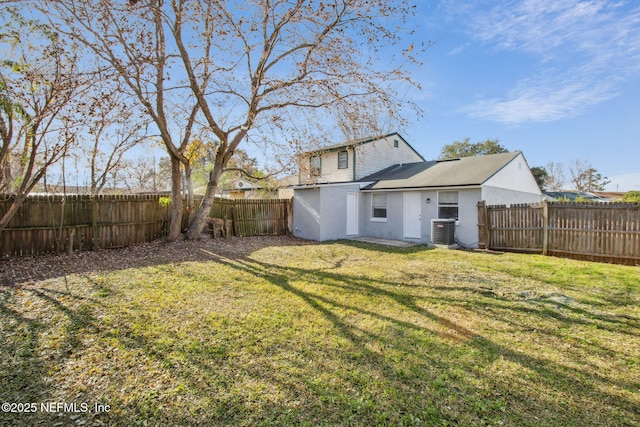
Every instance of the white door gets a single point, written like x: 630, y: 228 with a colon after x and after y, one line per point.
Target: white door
x: 412, y: 215
x: 352, y: 214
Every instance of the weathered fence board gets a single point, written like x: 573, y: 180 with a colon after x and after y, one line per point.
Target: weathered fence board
x: 593, y: 231
x: 46, y: 224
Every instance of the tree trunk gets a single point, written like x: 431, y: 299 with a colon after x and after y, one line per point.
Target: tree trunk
x: 175, y: 225
x: 200, y: 221
x: 190, y: 197
x: 13, y: 208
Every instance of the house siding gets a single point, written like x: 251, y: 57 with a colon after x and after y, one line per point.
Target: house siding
x: 330, y: 170
x: 466, y: 226
x: 306, y: 214
x: 512, y: 184
x: 378, y: 155
x: 515, y: 176
x: 389, y: 229
x: 367, y: 158
x: 320, y: 213
x: 503, y: 196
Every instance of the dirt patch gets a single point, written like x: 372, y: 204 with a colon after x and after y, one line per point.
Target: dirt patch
x: 28, y: 271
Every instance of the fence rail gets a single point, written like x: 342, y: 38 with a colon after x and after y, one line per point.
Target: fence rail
x: 608, y: 232
x: 46, y: 224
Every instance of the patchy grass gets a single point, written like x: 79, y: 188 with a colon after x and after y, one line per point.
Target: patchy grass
x: 333, y: 334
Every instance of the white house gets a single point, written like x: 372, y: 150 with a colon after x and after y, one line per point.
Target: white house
x: 385, y: 189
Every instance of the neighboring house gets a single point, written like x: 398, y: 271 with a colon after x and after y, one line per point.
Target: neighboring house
x: 244, y: 189
x: 400, y: 193
x: 610, y: 195
x: 572, y: 196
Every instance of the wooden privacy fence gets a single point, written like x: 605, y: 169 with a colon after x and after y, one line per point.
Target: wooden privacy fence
x: 255, y: 217
x: 608, y: 232
x: 46, y: 224
x: 55, y: 223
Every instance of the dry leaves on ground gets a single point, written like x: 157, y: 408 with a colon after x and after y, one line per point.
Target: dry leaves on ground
x: 27, y: 271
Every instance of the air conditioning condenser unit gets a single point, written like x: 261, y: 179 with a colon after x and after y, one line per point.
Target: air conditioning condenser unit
x: 443, y: 232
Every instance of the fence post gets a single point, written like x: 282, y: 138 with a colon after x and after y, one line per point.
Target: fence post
x: 483, y: 225
x: 94, y: 222
x: 545, y: 227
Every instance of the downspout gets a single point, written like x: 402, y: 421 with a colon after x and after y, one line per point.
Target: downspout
x: 354, y: 163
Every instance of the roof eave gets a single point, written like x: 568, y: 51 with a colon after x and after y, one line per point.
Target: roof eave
x: 425, y: 188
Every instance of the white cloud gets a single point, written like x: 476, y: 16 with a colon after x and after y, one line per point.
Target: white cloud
x: 599, y: 39
x: 545, y: 97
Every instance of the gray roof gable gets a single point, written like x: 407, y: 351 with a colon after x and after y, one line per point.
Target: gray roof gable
x: 358, y: 142
x: 466, y: 171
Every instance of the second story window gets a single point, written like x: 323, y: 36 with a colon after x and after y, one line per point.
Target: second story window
x: 343, y: 160
x: 314, y: 166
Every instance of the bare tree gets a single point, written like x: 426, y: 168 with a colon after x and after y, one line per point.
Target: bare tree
x: 39, y: 80
x: 146, y: 174
x: 245, y: 70
x: 130, y: 40
x: 555, y: 177
x: 110, y: 130
x: 585, y: 178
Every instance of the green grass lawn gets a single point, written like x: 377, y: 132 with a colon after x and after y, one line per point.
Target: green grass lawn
x: 330, y: 334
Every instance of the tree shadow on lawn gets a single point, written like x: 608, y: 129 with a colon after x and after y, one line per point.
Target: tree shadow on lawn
x: 419, y: 367
x: 28, y: 358
x: 573, y: 386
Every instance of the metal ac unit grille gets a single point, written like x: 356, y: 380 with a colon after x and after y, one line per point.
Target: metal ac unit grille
x: 443, y: 231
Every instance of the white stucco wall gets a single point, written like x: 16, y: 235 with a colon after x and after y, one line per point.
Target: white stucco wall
x: 306, y: 213
x: 320, y: 213
x: 393, y: 227
x: 389, y: 228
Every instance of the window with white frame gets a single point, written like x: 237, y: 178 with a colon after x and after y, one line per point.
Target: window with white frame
x: 379, y: 206
x: 448, y: 204
x: 315, y: 164
x: 343, y: 160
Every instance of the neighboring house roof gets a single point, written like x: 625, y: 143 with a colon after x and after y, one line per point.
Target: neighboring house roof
x: 612, y: 195
x: 466, y: 171
x: 358, y: 142
x: 571, y: 195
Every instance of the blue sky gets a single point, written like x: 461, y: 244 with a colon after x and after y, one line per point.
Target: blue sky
x: 559, y: 80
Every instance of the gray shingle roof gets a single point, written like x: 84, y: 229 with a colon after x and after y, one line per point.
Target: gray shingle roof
x: 466, y: 171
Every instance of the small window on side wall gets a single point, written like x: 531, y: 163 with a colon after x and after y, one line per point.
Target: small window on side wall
x: 343, y: 160
x: 379, y: 207
x: 448, y: 204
